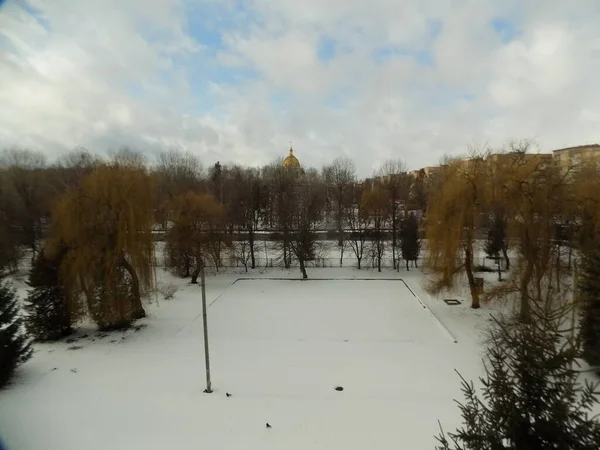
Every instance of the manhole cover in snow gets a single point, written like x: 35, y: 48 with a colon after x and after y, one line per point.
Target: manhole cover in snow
x: 339, y: 388
x: 451, y: 301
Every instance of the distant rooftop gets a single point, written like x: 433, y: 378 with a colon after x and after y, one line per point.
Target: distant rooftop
x: 578, y: 147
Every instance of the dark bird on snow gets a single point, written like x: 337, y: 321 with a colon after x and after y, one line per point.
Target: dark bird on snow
x: 269, y: 426
x: 227, y: 394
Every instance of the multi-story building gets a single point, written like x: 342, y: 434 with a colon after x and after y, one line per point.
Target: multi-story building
x: 571, y: 158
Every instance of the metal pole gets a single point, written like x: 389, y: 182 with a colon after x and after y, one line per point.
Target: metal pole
x: 205, y: 326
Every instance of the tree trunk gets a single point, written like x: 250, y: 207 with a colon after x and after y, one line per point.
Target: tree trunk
x: 498, y: 267
x: 506, y: 258
x: 358, y: 261
x: 339, y: 229
x: 557, y: 270
x: 138, y: 309
x: 394, y: 241
x: 525, y: 307
x: 302, y: 268
x: 472, y: 286
x: 416, y: 260
x: 251, y: 243
x: 407, y: 269
x: 196, y: 271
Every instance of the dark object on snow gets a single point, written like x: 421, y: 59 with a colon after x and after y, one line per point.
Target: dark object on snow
x: 451, y: 301
x: 339, y: 388
x: 269, y: 426
x: 227, y: 394
x: 15, y: 348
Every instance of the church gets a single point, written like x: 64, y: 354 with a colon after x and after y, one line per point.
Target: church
x: 291, y: 160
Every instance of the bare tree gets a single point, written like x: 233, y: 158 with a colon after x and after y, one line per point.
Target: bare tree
x: 310, y: 198
x: 247, y: 207
x: 375, y: 203
x: 24, y: 177
x: 283, y: 190
x: 126, y: 156
x: 175, y: 172
x: 339, y: 178
x: 394, y: 179
x: 358, y: 221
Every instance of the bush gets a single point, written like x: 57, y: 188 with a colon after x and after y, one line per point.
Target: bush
x: 168, y: 291
x: 14, y: 345
x: 49, y: 314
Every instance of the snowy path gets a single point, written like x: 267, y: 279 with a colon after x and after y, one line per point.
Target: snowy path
x: 279, y: 347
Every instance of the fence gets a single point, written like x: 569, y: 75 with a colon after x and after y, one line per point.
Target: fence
x: 229, y: 261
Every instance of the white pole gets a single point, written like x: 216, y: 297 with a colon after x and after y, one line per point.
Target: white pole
x: 205, y: 326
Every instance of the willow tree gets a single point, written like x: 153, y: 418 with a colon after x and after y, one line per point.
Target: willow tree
x: 196, y: 220
x: 453, y: 219
x: 535, y: 195
x: 106, y: 227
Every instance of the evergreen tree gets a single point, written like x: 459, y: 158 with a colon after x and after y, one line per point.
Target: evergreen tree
x: 589, y: 286
x: 410, y: 244
x: 532, y: 398
x: 496, y: 241
x: 49, y: 315
x: 14, y: 345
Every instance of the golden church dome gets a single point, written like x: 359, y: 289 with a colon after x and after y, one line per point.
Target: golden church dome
x: 291, y: 160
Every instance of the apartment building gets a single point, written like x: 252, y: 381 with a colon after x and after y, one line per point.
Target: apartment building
x: 571, y: 157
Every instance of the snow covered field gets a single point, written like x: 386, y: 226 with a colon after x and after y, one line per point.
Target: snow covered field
x: 279, y: 347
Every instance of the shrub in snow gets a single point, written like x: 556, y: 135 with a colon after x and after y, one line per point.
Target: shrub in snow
x: 14, y: 345
x: 168, y: 291
x: 532, y: 398
x: 49, y: 315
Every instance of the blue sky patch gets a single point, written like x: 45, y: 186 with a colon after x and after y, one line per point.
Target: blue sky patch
x: 327, y: 49
x: 386, y: 53
x: 505, y: 28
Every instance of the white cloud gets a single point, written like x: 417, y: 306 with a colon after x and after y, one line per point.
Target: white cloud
x: 149, y: 74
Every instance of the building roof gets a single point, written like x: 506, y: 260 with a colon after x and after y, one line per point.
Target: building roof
x: 291, y: 160
x: 578, y: 148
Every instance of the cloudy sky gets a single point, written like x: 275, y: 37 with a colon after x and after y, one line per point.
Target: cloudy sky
x: 237, y: 80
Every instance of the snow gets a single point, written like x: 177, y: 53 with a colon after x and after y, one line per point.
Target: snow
x: 279, y: 346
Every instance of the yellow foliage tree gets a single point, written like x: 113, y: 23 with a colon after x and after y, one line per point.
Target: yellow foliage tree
x: 195, y: 224
x: 535, y: 197
x: 105, y: 225
x: 453, y: 219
